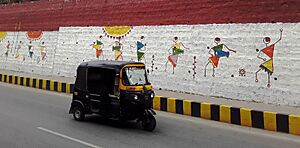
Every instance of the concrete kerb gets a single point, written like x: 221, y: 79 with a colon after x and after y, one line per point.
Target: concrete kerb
x: 45, y: 84
x: 273, y: 121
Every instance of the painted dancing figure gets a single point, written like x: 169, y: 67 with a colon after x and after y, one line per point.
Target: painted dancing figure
x: 8, y: 48
x: 43, y: 52
x: 140, y: 49
x: 267, y: 66
x: 216, y: 53
x: 118, y: 48
x: 19, y: 46
x: 176, y: 51
x: 30, y: 50
x: 98, y: 46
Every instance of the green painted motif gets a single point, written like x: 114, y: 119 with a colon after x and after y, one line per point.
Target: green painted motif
x: 218, y: 47
x: 116, y: 48
x: 177, y: 51
x: 140, y: 55
x: 99, y: 43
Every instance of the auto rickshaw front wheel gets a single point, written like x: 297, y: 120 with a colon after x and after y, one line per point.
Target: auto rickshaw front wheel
x: 78, y: 113
x: 149, y: 124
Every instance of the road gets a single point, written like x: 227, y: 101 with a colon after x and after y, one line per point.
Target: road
x: 31, y: 118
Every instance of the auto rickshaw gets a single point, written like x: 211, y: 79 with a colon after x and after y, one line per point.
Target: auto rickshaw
x: 115, y: 90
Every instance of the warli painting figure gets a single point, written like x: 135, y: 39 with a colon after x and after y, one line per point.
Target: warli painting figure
x: 8, y: 48
x: 30, y: 49
x: 98, y: 46
x: 118, y: 48
x: 19, y: 46
x: 267, y: 66
x: 216, y: 53
x: 140, y: 49
x: 176, y: 51
x: 43, y: 51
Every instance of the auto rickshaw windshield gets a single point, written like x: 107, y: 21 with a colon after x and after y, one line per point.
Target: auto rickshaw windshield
x: 135, y: 76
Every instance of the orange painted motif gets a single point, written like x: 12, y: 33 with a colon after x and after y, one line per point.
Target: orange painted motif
x: 34, y: 35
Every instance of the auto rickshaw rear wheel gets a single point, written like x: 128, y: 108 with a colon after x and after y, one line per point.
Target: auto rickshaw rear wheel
x: 78, y: 113
x: 149, y: 124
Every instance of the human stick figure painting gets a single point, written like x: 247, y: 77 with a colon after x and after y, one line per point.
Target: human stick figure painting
x: 267, y: 65
x: 118, y: 49
x: 176, y: 51
x: 98, y: 46
x: 216, y: 53
x: 118, y: 33
x: 33, y: 36
x: 140, y: 49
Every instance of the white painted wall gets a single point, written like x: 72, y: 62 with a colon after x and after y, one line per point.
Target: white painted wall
x: 29, y: 65
x: 245, y: 38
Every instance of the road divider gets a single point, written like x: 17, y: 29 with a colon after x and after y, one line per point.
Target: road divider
x: 38, y: 83
x: 240, y: 116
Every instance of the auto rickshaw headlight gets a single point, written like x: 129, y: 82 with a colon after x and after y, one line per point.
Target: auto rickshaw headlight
x: 152, y: 95
x: 135, y: 97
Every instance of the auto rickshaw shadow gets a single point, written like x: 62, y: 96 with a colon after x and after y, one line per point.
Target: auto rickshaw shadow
x: 95, y: 119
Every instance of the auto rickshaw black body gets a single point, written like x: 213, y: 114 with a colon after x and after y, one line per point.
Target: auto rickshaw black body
x: 113, y: 89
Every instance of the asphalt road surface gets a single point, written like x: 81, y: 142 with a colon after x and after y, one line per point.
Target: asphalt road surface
x: 31, y: 118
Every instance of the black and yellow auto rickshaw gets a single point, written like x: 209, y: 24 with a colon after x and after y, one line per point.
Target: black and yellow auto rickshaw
x: 114, y: 89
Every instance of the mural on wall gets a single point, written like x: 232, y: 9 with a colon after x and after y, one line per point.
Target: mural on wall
x: 2, y: 35
x: 33, y: 36
x: 98, y: 46
x: 267, y: 65
x: 242, y: 72
x: 140, y: 49
x: 18, y: 50
x: 216, y: 53
x: 186, y: 77
x: 118, y: 49
x: 194, y: 68
x: 176, y: 51
x: 30, y: 49
x: 43, y: 53
x: 8, y: 48
x: 118, y: 33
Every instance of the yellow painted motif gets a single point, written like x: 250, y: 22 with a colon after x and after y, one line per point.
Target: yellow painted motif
x: 268, y: 65
x: 2, y: 35
x: 117, y: 31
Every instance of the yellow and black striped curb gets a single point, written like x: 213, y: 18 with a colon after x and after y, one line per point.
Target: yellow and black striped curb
x: 240, y: 116
x: 37, y: 83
